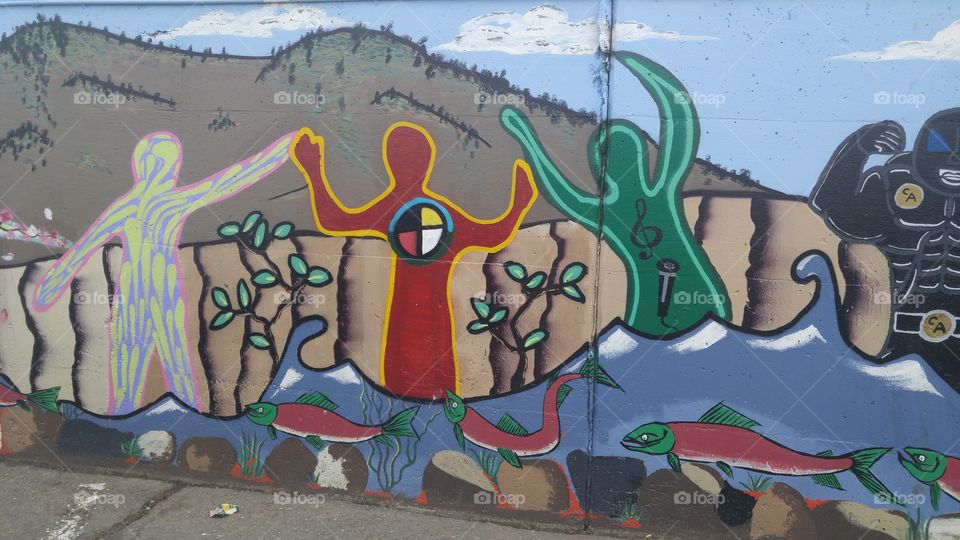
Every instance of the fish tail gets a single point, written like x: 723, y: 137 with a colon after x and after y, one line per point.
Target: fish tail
x: 863, y: 460
x: 593, y: 370
x: 46, y: 399
x: 400, y: 424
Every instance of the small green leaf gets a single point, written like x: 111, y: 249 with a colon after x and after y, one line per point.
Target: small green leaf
x: 535, y: 281
x: 515, y: 270
x: 282, y: 230
x: 220, y: 298
x: 533, y: 338
x: 259, y: 341
x: 260, y: 235
x: 265, y: 279
x: 573, y: 292
x: 477, y: 327
x: 252, y: 219
x: 319, y: 277
x: 243, y: 294
x: 480, y: 308
x: 573, y: 273
x: 498, y: 316
x: 229, y: 229
x: 222, y: 319
x: 298, y: 265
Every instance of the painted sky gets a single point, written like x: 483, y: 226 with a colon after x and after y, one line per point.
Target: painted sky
x: 777, y: 84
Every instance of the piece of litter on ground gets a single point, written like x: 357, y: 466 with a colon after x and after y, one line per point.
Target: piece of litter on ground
x: 48, y: 213
x: 224, y: 510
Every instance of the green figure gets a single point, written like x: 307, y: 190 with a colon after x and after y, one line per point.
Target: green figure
x: 671, y: 285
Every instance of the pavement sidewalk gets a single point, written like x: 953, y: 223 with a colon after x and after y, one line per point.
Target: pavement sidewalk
x: 44, y: 502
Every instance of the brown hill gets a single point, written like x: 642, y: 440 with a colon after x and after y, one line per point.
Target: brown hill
x: 74, y: 100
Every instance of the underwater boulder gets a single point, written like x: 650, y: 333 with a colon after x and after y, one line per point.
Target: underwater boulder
x: 455, y: 479
x: 541, y: 485
x: 736, y: 507
x: 671, y: 502
x: 848, y: 519
x: 18, y: 431
x: 290, y: 463
x: 614, y: 481
x: 208, y: 455
x: 84, y: 438
x: 159, y: 446
x: 342, y: 467
x: 781, y: 512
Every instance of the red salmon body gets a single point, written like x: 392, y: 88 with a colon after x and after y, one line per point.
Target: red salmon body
x: 739, y: 447
x: 305, y: 420
x: 10, y: 397
x: 950, y: 481
x: 481, y: 432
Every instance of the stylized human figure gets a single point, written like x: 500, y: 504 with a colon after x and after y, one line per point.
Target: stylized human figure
x: 908, y: 208
x: 643, y: 221
x: 428, y: 234
x: 148, y: 309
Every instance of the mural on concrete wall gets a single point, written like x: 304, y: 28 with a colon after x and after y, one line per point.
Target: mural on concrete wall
x: 470, y: 294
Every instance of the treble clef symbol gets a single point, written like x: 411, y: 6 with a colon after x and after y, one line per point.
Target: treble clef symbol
x: 646, y: 238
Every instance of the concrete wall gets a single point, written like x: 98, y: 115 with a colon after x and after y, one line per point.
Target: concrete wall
x: 295, y: 247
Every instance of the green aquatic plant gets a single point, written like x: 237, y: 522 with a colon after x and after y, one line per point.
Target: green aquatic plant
x: 130, y: 449
x: 671, y: 285
x: 388, y: 460
x: 756, y: 483
x: 489, y: 463
x: 251, y: 465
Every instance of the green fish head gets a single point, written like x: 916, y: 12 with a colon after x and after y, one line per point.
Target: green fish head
x: 925, y: 465
x: 654, y: 438
x: 262, y: 413
x: 453, y: 408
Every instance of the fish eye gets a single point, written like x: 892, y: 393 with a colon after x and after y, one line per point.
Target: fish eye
x: 644, y: 437
x: 921, y: 458
x: 259, y: 409
x: 453, y: 405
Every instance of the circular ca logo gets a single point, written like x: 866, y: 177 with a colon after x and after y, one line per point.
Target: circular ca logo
x: 909, y: 196
x: 937, y: 326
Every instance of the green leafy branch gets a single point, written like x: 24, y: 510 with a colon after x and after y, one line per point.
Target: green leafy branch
x: 254, y: 233
x: 532, y: 286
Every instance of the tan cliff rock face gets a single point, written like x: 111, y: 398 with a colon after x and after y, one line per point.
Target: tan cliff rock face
x: 753, y: 242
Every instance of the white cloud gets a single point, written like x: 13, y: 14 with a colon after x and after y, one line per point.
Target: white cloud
x: 945, y: 45
x: 546, y: 29
x: 256, y: 23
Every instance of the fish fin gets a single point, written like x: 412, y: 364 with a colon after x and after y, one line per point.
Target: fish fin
x: 509, y: 425
x: 316, y: 442
x: 862, y: 461
x: 510, y: 457
x: 458, y: 433
x: 46, y: 398
x: 725, y: 468
x: 272, y: 431
x: 674, y: 461
x: 592, y: 369
x: 386, y: 441
x: 827, y: 480
x: 399, y: 424
x: 935, y: 495
x: 317, y: 399
x: 562, y: 394
x: 825, y: 453
x: 725, y: 416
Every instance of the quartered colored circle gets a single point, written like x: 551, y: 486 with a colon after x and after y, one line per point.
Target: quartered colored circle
x: 908, y: 196
x: 421, y: 229
x: 937, y: 326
